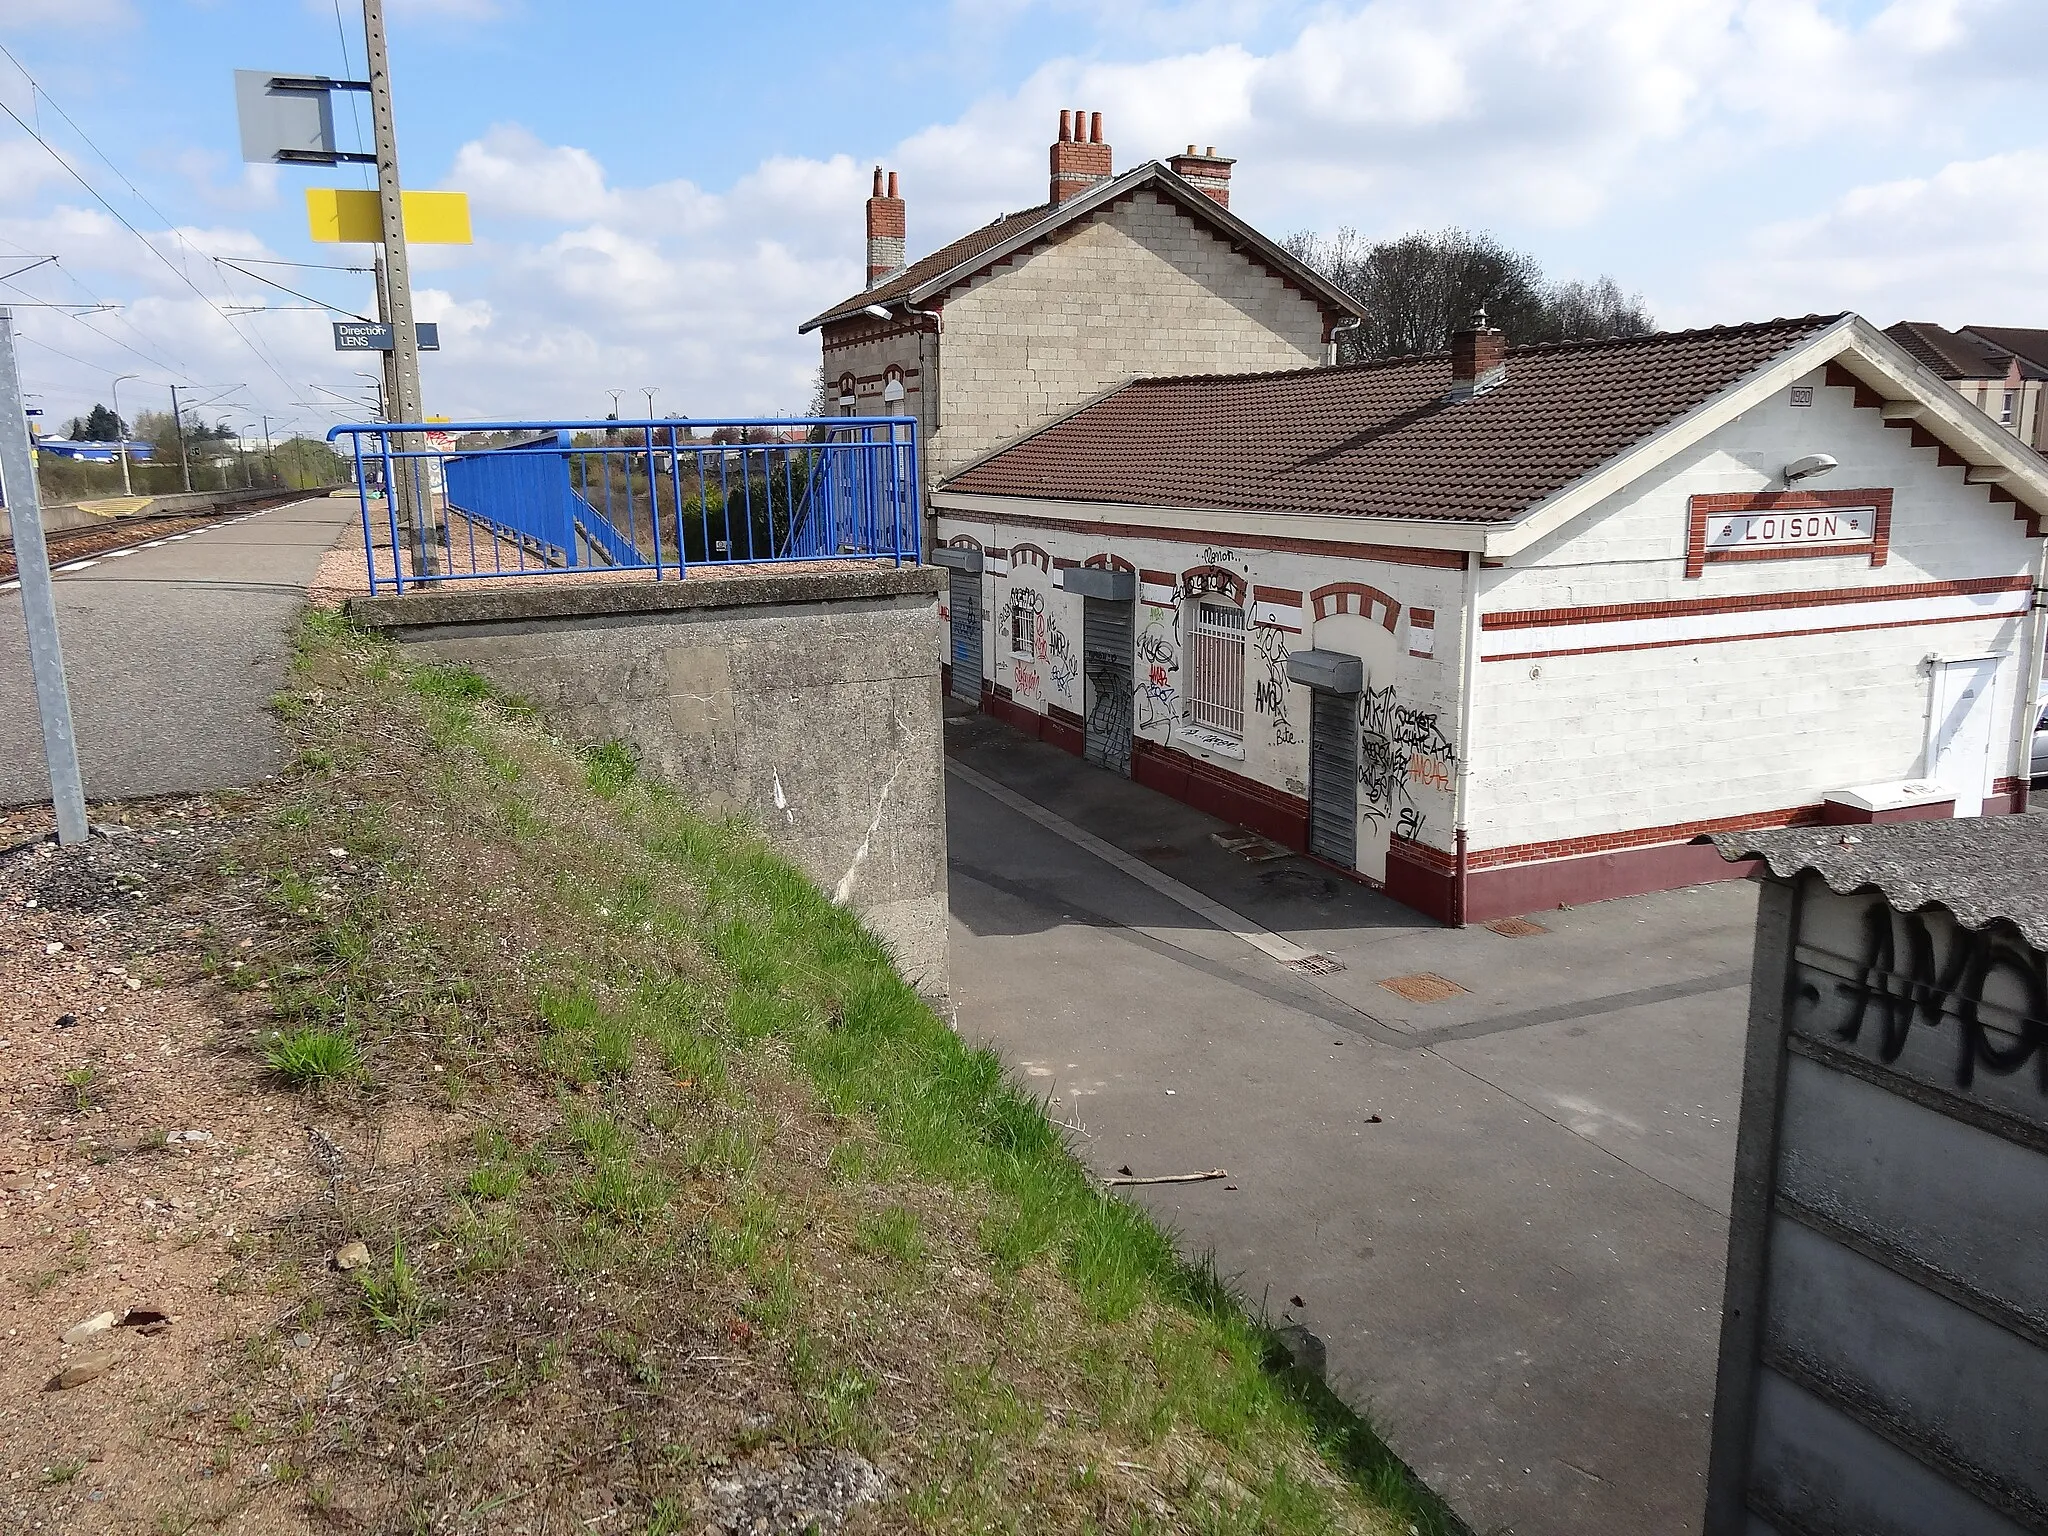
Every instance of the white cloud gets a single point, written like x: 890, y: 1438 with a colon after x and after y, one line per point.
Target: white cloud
x: 1963, y: 246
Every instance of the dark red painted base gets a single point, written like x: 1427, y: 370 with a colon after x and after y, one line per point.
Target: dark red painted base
x: 1266, y: 811
x: 1415, y: 877
x: 1835, y: 814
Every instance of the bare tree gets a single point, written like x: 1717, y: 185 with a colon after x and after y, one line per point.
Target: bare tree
x: 1416, y: 290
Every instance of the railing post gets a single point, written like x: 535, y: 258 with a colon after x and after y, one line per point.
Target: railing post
x: 391, y: 510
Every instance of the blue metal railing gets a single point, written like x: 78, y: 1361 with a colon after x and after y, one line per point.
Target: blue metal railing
x: 478, y: 500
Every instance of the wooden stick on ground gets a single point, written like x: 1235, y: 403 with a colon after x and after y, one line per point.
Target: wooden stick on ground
x: 1174, y: 1178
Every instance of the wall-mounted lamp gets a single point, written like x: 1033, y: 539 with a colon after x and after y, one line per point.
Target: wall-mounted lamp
x: 1807, y: 468
x: 876, y: 312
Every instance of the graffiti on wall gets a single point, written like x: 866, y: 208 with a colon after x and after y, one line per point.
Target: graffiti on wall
x: 1062, y: 665
x: 1050, y: 658
x: 1905, y: 979
x: 1269, y: 694
x: 1400, y: 750
x: 1155, y: 689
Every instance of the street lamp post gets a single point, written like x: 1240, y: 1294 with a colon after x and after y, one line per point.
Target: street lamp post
x: 650, y: 394
x: 121, y: 430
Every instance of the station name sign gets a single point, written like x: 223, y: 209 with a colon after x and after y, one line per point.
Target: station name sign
x: 1782, y: 530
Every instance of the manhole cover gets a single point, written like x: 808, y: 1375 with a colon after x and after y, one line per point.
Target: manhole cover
x: 1423, y: 987
x: 1515, y: 927
x: 1317, y: 965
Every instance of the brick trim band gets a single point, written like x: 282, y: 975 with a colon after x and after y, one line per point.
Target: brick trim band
x: 1687, y: 607
x: 1386, y: 554
x: 1355, y: 598
x: 1701, y: 510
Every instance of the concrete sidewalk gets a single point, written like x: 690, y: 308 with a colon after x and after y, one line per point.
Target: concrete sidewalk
x: 1504, y: 1212
x: 173, y: 652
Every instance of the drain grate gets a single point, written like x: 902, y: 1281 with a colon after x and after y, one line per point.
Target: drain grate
x: 1516, y: 927
x: 1423, y: 987
x: 1317, y: 965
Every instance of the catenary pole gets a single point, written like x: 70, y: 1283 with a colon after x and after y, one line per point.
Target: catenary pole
x: 405, y: 404
x: 178, y: 426
x: 38, y: 600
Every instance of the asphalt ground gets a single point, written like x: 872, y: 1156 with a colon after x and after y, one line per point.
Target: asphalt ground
x: 172, y: 652
x: 1505, y: 1212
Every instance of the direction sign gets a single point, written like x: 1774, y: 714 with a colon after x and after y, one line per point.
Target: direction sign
x: 370, y: 336
x: 362, y: 336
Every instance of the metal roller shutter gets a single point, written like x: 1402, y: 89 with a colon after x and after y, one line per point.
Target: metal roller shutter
x: 1333, y: 777
x: 965, y: 603
x: 1107, y: 630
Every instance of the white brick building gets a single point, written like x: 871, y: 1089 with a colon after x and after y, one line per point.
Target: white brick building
x: 1499, y: 630
x: 1113, y: 278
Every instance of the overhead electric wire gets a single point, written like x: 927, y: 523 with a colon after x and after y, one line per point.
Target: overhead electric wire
x: 355, y: 107
x: 182, y: 275
x: 118, y: 311
x: 280, y: 287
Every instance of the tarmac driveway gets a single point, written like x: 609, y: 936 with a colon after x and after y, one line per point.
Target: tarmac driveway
x: 1504, y: 1211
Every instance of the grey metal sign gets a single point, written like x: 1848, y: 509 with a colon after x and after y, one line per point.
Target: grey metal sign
x: 1884, y: 1346
x: 289, y: 119
x: 363, y: 336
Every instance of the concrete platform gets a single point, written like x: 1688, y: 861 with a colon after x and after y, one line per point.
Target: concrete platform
x: 173, y: 653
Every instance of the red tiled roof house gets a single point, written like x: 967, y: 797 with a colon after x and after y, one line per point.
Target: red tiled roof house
x: 1511, y: 627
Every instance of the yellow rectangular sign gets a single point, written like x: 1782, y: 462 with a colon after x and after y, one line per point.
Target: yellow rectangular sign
x: 431, y: 218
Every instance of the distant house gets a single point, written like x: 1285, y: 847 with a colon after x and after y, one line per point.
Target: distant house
x: 1508, y: 627
x: 1111, y: 278
x: 2002, y: 370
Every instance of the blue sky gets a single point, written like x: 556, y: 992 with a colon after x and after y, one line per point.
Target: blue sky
x: 662, y: 192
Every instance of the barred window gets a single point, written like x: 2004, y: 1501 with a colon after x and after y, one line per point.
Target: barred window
x: 1215, y: 673
x: 1021, y: 635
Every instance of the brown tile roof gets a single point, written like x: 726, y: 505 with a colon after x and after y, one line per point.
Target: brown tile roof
x: 2030, y: 346
x: 944, y: 259
x: 1947, y: 353
x: 1003, y: 231
x: 1380, y: 439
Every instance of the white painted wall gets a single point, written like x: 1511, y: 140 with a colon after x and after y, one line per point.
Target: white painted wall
x: 1578, y: 746
x: 1275, y: 747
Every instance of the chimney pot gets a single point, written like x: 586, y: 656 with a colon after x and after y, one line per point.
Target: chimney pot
x: 1208, y: 174
x: 892, y: 183
x: 878, y: 182
x: 1080, y: 159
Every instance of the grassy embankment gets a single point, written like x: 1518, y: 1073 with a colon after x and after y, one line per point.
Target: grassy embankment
x: 702, y: 1188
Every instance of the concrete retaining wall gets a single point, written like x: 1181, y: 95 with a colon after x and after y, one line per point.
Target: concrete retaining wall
x: 806, y: 701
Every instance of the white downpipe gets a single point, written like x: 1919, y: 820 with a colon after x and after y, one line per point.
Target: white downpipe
x: 1470, y: 664
x: 2036, y: 630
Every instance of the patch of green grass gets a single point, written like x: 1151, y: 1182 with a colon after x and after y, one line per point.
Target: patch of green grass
x: 57, y: 1473
x: 313, y: 1056
x: 391, y: 1295
x: 457, y: 684
x: 83, y: 1083
x: 895, y: 1233
x: 610, y: 768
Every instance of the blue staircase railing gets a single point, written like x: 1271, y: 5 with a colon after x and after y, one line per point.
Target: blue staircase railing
x: 480, y: 500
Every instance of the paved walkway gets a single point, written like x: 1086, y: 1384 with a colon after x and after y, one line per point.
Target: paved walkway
x: 173, y: 653
x: 1506, y: 1213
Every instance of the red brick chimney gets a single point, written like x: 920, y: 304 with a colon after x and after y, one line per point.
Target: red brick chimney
x: 1479, y: 359
x: 1209, y: 173
x: 885, y: 231
x: 1080, y: 159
